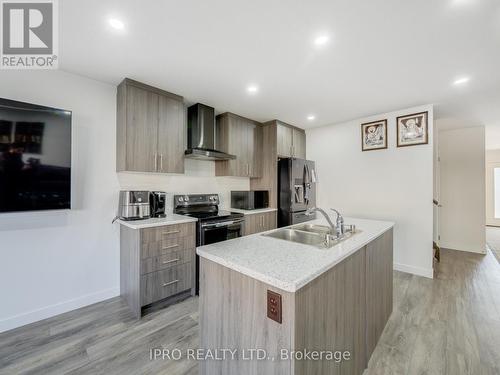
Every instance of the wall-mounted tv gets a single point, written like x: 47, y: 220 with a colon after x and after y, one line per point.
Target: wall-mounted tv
x: 35, y: 157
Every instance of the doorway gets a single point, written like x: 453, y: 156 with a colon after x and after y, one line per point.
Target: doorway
x: 461, y: 171
x: 492, y: 189
x: 493, y: 201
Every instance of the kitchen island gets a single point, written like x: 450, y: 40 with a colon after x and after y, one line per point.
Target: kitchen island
x: 282, y: 307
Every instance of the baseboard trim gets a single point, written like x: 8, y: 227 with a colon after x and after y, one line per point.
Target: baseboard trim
x: 56, y: 309
x: 419, y: 271
x: 464, y: 250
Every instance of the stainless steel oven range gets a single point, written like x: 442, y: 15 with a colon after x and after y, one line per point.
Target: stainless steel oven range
x: 213, y: 225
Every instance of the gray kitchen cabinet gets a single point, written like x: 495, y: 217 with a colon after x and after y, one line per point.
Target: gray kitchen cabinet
x: 379, y: 289
x: 285, y: 139
x: 241, y: 137
x: 157, y: 264
x: 291, y: 141
x: 260, y: 222
x: 298, y: 143
x: 171, y: 135
x: 151, y: 129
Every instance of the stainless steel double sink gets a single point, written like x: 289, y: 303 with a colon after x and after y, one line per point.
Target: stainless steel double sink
x: 320, y: 236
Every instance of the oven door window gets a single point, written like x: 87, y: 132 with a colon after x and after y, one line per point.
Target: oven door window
x: 217, y: 234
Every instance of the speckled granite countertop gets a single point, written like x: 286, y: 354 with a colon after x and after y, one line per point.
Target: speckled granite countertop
x: 289, y: 265
x: 157, y: 221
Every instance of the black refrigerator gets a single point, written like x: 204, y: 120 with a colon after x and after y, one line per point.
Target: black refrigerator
x: 296, y: 190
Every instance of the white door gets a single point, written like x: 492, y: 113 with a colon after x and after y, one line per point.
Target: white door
x: 493, y: 194
x: 462, y: 215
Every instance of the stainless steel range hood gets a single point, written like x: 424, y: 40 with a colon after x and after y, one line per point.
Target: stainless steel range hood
x: 202, y: 134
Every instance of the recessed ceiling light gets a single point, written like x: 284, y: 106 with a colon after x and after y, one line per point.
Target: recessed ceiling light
x: 456, y: 3
x: 321, y: 40
x: 311, y: 117
x: 252, y: 89
x: 116, y: 24
x: 461, y: 81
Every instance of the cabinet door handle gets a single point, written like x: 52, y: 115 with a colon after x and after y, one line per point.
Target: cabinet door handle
x: 170, y: 283
x: 171, y: 232
x: 161, y: 162
x: 170, y: 261
x: 170, y: 246
x: 156, y: 162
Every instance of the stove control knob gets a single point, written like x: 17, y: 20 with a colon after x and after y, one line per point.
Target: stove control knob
x: 180, y: 199
x: 186, y: 198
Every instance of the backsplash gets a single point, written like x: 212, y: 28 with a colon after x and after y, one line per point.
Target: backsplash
x: 199, y: 177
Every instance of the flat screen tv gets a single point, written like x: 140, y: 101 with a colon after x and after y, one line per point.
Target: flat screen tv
x: 35, y: 157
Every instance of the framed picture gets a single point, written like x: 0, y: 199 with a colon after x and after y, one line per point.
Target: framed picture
x: 412, y: 129
x: 374, y: 135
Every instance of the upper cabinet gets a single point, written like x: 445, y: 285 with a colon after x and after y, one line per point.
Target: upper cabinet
x: 151, y: 129
x: 242, y: 137
x: 284, y: 138
x: 299, y: 143
x: 291, y: 141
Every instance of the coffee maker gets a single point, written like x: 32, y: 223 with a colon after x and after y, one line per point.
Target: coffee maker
x: 157, y: 201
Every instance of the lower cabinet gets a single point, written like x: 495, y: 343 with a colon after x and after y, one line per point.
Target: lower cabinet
x: 156, y: 264
x: 260, y: 222
x: 158, y: 285
x: 379, y: 288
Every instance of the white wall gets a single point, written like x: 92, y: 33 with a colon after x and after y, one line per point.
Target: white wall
x: 394, y: 184
x: 462, y: 189
x: 52, y: 262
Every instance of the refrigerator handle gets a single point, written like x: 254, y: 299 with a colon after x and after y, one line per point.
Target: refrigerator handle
x: 314, y: 178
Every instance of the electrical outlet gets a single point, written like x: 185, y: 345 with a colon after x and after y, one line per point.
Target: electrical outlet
x: 274, y: 306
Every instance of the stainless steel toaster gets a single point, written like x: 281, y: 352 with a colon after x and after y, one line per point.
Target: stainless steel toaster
x: 134, y: 205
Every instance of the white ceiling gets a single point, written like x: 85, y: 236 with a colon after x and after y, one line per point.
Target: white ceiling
x: 382, y: 55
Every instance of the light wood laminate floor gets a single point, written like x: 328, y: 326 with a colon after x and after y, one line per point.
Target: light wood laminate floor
x: 449, y: 325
